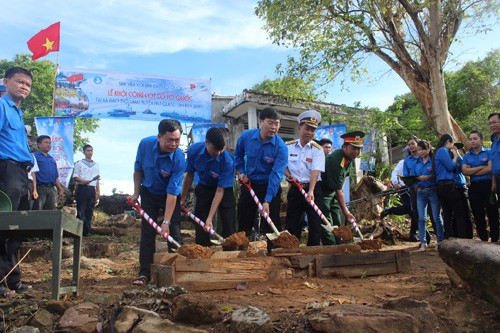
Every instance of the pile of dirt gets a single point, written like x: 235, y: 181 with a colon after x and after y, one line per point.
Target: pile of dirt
x: 195, y: 251
x: 237, y: 239
x: 343, y: 232
x: 371, y: 244
x: 286, y: 241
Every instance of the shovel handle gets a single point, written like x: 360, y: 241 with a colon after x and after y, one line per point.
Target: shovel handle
x: 355, y: 226
x: 312, y: 203
x: 155, y: 225
x: 260, y: 207
x: 211, y: 231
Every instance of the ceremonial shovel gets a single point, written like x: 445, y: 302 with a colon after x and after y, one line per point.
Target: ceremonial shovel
x: 275, y: 233
x: 326, y: 224
x: 211, y: 231
x: 158, y: 229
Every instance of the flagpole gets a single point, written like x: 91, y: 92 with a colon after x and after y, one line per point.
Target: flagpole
x: 55, y: 84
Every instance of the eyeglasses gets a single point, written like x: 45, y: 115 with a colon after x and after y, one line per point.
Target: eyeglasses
x: 493, y: 122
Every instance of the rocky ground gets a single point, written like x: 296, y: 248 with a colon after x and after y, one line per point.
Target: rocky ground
x: 425, y: 298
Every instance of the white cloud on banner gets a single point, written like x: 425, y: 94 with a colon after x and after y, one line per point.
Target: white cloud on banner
x: 145, y: 27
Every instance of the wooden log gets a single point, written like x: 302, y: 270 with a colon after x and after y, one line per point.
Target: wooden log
x: 165, y: 258
x: 312, y: 250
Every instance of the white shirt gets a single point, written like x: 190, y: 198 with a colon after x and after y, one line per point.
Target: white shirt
x: 33, y: 169
x: 86, y: 170
x: 303, y: 160
x: 397, y: 172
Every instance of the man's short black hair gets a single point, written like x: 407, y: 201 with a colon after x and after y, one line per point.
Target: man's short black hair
x: 85, y: 147
x: 216, y: 136
x: 494, y: 114
x: 269, y: 113
x: 42, y: 137
x: 9, y: 73
x: 324, y: 140
x: 169, y: 125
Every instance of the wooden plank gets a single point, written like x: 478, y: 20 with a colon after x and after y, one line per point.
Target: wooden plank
x: 319, y: 266
x: 165, y: 258
x: 328, y: 249
x: 302, y: 261
x: 360, y: 270
x: 228, y: 254
x: 227, y: 266
x: 358, y: 259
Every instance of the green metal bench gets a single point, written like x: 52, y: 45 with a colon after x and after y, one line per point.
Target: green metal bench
x: 54, y: 224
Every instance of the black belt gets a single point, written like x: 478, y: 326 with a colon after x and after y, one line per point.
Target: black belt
x: 84, y: 185
x: 44, y: 185
x: 446, y: 182
x: 27, y: 166
x: 426, y: 189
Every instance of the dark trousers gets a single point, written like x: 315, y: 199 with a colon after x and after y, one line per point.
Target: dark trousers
x: 14, y: 183
x: 296, y: 206
x: 152, y: 204
x: 404, y: 208
x: 413, y: 214
x: 479, y: 198
x: 85, y: 203
x: 204, y: 197
x: 247, y: 209
x: 454, y: 211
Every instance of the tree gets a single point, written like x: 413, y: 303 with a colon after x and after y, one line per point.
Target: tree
x: 290, y: 88
x: 39, y: 102
x: 412, y: 37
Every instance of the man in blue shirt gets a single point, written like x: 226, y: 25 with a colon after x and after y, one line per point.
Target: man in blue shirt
x: 47, y: 177
x: 158, y: 172
x: 409, y: 170
x: 494, y: 123
x: 214, y: 191
x: 266, y: 159
x: 15, y: 163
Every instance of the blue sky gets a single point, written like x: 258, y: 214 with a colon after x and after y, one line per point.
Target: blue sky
x: 220, y: 40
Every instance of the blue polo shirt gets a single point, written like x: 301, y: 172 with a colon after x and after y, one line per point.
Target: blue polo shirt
x: 495, y: 156
x: 162, y: 173
x: 459, y: 176
x: 474, y: 160
x: 409, y: 165
x: 265, y: 162
x: 13, y: 138
x: 47, y: 166
x: 424, y: 169
x: 444, y: 165
x: 212, y: 171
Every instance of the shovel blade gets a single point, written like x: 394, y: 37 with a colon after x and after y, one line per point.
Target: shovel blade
x: 328, y: 227
x: 216, y: 241
x: 272, y: 236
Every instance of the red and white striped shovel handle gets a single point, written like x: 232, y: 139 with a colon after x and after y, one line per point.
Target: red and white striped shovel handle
x: 311, y: 202
x: 158, y: 229
x: 260, y: 207
x: 211, y: 231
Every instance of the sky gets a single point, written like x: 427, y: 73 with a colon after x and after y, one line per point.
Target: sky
x: 220, y: 40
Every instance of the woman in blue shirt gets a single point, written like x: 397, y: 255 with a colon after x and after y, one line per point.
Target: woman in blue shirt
x: 426, y: 194
x: 478, y: 168
x: 445, y: 164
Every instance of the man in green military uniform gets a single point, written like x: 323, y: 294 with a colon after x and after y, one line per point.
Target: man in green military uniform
x: 337, y: 169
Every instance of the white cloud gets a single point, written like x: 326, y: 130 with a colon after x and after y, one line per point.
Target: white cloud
x: 144, y: 27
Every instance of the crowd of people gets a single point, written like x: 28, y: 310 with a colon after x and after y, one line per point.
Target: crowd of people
x: 438, y: 187
x: 163, y: 176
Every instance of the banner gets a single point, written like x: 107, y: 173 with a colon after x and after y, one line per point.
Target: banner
x: 60, y: 130
x: 198, y: 132
x: 332, y: 132
x: 98, y: 94
x: 369, y: 151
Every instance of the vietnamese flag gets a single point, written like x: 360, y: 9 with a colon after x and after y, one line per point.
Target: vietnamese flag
x: 75, y: 78
x: 44, y: 42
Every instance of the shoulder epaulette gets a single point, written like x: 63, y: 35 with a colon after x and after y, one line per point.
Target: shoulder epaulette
x: 290, y: 142
x: 317, y: 145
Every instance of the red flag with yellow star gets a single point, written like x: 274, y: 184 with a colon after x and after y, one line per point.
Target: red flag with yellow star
x: 44, y: 42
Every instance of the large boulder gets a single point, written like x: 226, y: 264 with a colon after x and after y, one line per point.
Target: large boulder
x: 81, y: 318
x: 477, y: 263
x: 249, y: 320
x: 195, y: 310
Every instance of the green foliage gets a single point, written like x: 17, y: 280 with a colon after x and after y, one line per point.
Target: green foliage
x: 290, y: 88
x: 39, y: 102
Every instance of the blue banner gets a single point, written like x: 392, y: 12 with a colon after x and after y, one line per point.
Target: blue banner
x: 60, y: 130
x: 99, y: 94
x: 198, y: 132
x: 332, y: 132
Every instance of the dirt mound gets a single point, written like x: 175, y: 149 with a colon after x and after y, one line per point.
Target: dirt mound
x: 237, y: 239
x: 286, y: 241
x: 343, y: 232
x: 371, y: 244
x: 195, y: 251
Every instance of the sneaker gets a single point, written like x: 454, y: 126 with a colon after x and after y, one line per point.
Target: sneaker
x: 422, y: 247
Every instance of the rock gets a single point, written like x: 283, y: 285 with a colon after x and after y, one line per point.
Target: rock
x: 477, y: 263
x: 103, y: 298
x: 317, y: 305
x: 58, y: 307
x: 418, y: 309
x: 154, y: 324
x: 172, y: 292
x: 359, y: 318
x: 25, y: 329
x: 44, y: 320
x: 81, y: 318
x: 101, y: 249
x: 129, y: 316
x: 195, y: 310
x: 249, y: 320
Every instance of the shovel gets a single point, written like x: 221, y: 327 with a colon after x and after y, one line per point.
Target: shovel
x: 326, y: 224
x: 158, y: 229
x: 211, y: 231
x: 275, y: 233
x: 355, y: 226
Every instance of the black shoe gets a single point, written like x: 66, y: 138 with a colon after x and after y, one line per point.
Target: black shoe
x: 385, y: 212
x: 414, y: 238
